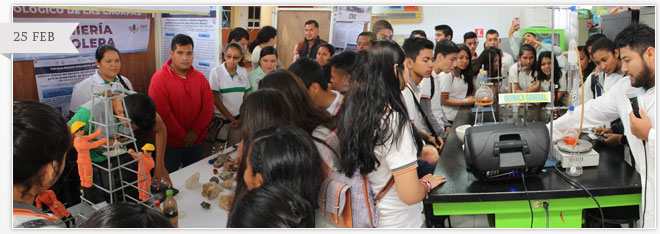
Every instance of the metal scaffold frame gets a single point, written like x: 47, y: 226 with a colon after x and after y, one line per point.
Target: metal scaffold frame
x: 124, y: 131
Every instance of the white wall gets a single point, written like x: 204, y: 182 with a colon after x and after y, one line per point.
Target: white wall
x: 463, y: 19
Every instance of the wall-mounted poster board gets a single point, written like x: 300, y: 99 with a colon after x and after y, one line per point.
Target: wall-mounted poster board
x: 350, y: 21
x: 290, y: 24
x: 204, y: 32
x: 398, y: 14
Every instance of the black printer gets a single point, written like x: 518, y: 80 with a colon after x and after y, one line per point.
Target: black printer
x: 501, y: 151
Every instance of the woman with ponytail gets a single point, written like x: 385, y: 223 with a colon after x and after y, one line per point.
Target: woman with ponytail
x: 267, y: 36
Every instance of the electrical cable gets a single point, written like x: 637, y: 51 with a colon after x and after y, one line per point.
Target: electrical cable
x: 646, y: 182
x: 531, y: 225
x: 573, y: 183
x: 547, y: 214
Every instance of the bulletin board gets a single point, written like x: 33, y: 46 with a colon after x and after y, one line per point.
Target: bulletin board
x: 291, y: 29
x: 398, y: 14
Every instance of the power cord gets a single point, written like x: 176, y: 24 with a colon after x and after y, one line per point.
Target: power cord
x: 547, y: 214
x: 573, y: 183
x: 531, y: 225
x: 646, y: 182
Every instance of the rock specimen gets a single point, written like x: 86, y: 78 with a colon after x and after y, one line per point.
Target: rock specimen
x: 226, y: 175
x: 220, y: 160
x: 228, y: 184
x: 205, y: 205
x: 211, y: 190
x: 193, y: 181
x: 214, y: 179
x: 226, y: 202
x: 229, y: 167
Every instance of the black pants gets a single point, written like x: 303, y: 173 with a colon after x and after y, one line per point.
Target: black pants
x: 102, y: 178
x: 424, y: 168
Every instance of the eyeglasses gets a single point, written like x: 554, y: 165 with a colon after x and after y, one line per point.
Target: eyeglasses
x: 234, y: 57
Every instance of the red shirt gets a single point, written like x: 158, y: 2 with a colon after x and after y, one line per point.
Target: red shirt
x: 182, y: 103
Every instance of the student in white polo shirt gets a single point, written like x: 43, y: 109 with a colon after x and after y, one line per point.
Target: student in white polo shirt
x: 522, y: 74
x: 492, y: 39
x: 230, y: 84
x: 108, y: 63
x: 444, y: 62
x: 419, y: 61
x: 456, y: 89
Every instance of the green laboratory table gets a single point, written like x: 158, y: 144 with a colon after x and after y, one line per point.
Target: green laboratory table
x: 613, y: 183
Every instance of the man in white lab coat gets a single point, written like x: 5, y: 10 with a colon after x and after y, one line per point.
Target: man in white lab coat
x: 638, y: 56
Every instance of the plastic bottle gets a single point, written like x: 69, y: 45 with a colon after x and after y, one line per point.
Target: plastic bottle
x: 170, y: 210
x: 157, y: 206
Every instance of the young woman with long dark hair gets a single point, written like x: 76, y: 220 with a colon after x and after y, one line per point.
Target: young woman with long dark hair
x: 377, y: 138
x: 459, y: 90
x: 522, y: 73
x: 286, y: 155
x: 544, y: 71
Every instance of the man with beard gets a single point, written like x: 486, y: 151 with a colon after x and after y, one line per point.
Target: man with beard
x: 637, y: 45
x: 310, y: 45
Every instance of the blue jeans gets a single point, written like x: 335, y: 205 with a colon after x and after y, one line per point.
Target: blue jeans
x: 177, y: 157
x: 424, y: 168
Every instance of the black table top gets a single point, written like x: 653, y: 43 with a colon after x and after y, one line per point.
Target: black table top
x: 613, y: 176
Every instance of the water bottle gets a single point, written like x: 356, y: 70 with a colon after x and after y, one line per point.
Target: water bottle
x: 170, y: 210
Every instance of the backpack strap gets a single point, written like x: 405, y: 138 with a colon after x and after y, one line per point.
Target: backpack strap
x: 427, y: 122
x: 366, y: 198
x: 323, y: 196
x: 432, y: 86
x: 382, y: 193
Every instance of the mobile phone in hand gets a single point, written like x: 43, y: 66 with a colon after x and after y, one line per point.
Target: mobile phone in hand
x: 516, y: 21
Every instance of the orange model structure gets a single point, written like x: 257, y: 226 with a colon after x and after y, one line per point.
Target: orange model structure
x: 144, y: 167
x: 82, y: 145
x: 48, y: 198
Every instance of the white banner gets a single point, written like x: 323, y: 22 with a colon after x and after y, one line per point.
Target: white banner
x: 37, y: 38
x: 353, y: 13
x: 164, y: 9
x: 56, y: 78
x: 203, y: 30
x: 127, y: 35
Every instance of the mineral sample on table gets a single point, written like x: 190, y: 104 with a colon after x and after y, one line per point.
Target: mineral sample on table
x: 229, y: 167
x: 205, y: 205
x: 211, y: 190
x: 226, y: 175
x: 228, y: 184
x: 193, y: 181
x: 226, y: 202
x: 217, y: 164
x: 214, y: 179
x: 220, y: 160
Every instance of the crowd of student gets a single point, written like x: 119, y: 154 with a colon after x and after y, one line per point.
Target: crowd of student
x: 389, y: 106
